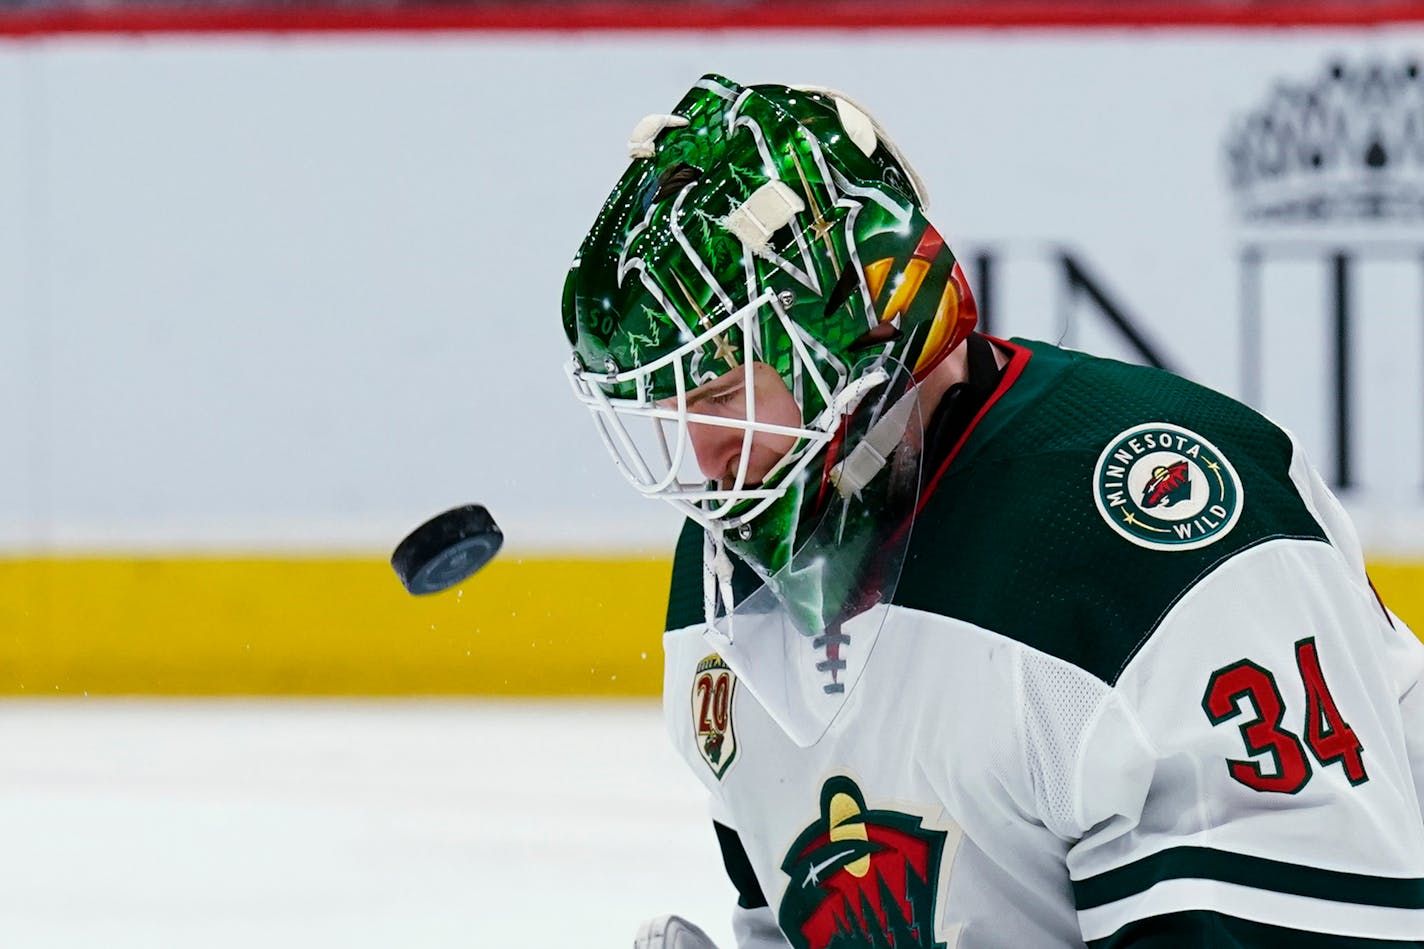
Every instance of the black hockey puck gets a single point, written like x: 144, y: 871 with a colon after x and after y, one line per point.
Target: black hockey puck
x: 446, y: 549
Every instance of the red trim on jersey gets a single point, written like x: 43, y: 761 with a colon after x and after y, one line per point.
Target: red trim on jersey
x: 623, y: 15
x: 1018, y: 359
x: 870, y: 591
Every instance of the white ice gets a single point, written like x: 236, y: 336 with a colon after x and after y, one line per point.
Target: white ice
x: 347, y: 824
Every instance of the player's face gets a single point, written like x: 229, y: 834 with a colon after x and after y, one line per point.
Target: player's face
x: 719, y: 448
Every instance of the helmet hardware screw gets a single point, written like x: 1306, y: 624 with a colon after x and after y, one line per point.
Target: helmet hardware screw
x: 609, y: 366
x: 787, y: 298
x: 745, y: 532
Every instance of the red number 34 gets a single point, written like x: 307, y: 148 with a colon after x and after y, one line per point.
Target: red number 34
x: 1330, y: 739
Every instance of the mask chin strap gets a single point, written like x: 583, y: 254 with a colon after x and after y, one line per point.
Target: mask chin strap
x: 866, y: 459
x: 716, y: 579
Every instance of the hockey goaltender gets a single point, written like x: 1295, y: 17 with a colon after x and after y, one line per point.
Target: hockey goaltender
x: 976, y: 642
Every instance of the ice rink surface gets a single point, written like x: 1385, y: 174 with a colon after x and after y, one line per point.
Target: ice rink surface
x: 316, y: 823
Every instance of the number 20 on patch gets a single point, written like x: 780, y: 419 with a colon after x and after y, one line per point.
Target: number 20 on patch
x: 1329, y: 737
x: 713, y: 687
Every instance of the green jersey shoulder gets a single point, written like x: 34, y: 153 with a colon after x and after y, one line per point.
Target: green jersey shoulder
x: 1089, y: 498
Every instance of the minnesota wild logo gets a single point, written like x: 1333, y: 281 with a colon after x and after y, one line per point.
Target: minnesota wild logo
x: 1165, y: 487
x: 861, y: 877
x: 712, y: 687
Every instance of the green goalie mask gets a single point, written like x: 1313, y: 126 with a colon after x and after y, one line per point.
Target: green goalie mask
x: 759, y: 225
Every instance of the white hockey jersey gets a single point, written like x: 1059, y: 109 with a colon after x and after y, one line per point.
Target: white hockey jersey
x: 1134, y: 689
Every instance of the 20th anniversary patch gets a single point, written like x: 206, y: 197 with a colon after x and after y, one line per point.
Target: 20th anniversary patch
x: 713, y: 689
x: 1165, y: 487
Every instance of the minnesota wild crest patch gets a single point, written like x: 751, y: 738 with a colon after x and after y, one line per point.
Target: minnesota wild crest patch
x: 862, y: 878
x: 1165, y: 487
x: 713, y: 686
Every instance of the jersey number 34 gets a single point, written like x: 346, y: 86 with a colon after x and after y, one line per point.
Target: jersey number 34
x: 1326, y: 733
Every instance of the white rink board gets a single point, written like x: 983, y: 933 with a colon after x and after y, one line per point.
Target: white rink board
x: 289, y: 825
x: 301, y: 292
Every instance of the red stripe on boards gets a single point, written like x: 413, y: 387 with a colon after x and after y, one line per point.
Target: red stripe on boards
x: 671, y: 15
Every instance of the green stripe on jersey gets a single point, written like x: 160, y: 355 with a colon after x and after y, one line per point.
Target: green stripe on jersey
x: 1204, y: 863
x: 1203, y: 928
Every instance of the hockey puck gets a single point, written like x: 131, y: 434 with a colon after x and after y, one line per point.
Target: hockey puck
x: 447, y: 549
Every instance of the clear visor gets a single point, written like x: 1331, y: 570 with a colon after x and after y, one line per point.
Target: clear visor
x: 651, y: 441
x: 802, y: 640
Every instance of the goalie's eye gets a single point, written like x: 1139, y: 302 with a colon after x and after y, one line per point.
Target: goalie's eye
x: 721, y: 398
x: 725, y: 395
